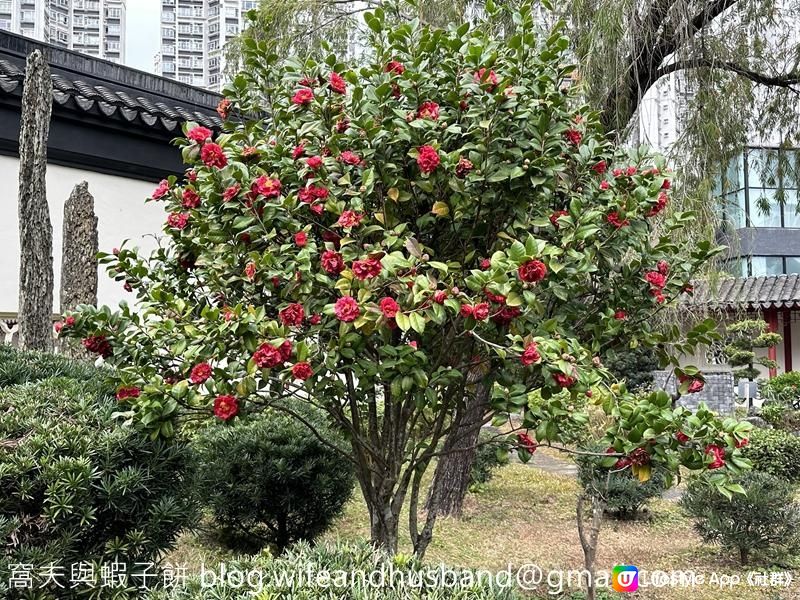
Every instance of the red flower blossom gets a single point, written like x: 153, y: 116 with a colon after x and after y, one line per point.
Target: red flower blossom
x: 506, y: 315
x: 563, y: 380
x: 312, y: 193
x: 718, y: 456
x: 465, y: 311
x: 350, y: 158
x: 128, y: 392
x: 389, y: 307
x: 231, y: 192
x: 315, y: 319
x: 655, y: 279
x: 526, y: 443
x: 573, y: 136
x: 292, y: 315
x: 314, y: 162
x: 639, y: 457
x: 191, y: 175
x: 658, y: 295
x: 191, y: 199
x: 630, y: 171
x: 200, y: 373
x: 439, y: 296
x: 302, y: 97
x: 302, y: 371
x: 530, y: 355
x: 556, y: 215
x: 486, y: 264
x: 367, y: 269
x: 178, y: 220
x: 481, y: 311
x: 532, y: 271
x: 600, y: 167
x: 350, y: 218
x: 250, y: 270
x: 226, y: 407
x: 682, y: 437
x: 428, y: 159
x: 463, y: 167
x: 490, y: 80
x: 620, y: 315
x: 428, y: 110
x: 617, y: 172
x: 162, y: 190
x: 337, y: 83
x: 663, y: 267
x: 661, y: 204
x: 268, y: 187
x: 298, y: 151
x: 496, y: 298
x: 332, y: 262
x: 346, y: 309
x: 286, y: 350
x: 414, y: 344
x: 395, y: 67
x: 666, y: 185
x: 213, y: 156
x: 199, y: 134
x: 742, y: 443
x: 696, y: 383
x: 224, y: 108
x: 268, y: 356
x: 616, y: 220
x: 604, y: 185
x: 300, y: 238
x: 69, y: 321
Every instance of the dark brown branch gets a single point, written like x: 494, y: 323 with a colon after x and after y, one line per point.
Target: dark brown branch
x: 786, y: 81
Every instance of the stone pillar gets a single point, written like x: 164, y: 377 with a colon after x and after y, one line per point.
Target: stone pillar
x: 79, y: 250
x: 35, y: 230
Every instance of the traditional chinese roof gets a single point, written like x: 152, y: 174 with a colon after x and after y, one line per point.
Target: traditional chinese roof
x: 748, y: 293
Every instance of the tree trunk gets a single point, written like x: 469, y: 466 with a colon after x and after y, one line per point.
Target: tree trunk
x: 744, y: 556
x: 451, y: 478
x: 590, y: 538
x: 78, y: 257
x: 35, y: 230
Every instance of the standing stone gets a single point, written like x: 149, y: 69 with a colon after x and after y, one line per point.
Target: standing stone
x: 35, y: 230
x: 79, y: 250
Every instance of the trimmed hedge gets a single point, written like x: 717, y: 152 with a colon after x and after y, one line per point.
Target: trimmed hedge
x: 776, y: 452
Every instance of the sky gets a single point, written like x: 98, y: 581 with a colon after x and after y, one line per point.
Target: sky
x: 144, y: 21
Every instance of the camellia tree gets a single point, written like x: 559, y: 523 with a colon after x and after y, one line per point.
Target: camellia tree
x: 387, y: 242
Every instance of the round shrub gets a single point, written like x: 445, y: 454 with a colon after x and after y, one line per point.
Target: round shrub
x: 624, y: 494
x: 489, y: 456
x: 81, y: 486
x: 764, y: 517
x: 776, y: 452
x: 271, y: 481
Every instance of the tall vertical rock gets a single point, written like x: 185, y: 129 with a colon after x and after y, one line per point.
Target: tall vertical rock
x: 79, y: 250
x: 35, y: 230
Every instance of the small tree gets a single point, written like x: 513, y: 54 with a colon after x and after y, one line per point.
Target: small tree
x: 743, y: 339
x: 447, y: 216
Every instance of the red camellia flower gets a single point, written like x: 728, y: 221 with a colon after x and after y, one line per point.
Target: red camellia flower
x: 661, y: 204
x: 191, y: 199
x: 666, y: 185
x: 342, y: 124
x: 224, y: 108
x: 268, y: 186
x: 98, y: 344
x: 346, y: 309
x: 526, y: 443
x: 314, y: 162
x: 481, y: 311
x: 178, y: 220
x: 658, y: 295
x: 742, y: 443
x: 350, y: 158
x: 682, y: 437
x: 298, y: 151
x: 301, y: 238
x: 332, y: 262
x: 231, y: 192
x: 250, y: 270
x: 573, y: 136
x: 463, y: 167
x: 630, y: 171
x: 616, y: 220
x: 439, y: 296
x: 302, y: 371
x: 199, y: 134
x: 315, y: 319
x: 696, y: 384
x: 69, y: 321
x: 655, y: 279
x: 639, y: 457
x: 226, y: 407
x: 250, y: 152
x: 428, y: 110
x: 191, y: 175
x: 389, y: 307
x: 491, y: 78
x: 600, y: 167
x: 292, y: 315
x: 563, y: 380
x: 312, y: 193
x: 556, y: 215
x: 718, y: 456
x: 506, y: 315
x: 200, y: 373
x: 620, y: 315
x: 428, y: 159
x: 604, y: 185
x: 350, y: 218
x: 530, y: 355
x: 128, y: 392
x: 663, y: 267
x: 485, y: 263
x: 302, y: 97
x: 337, y: 83
x: 162, y: 190
x: 286, y: 350
x: 367, y: 269
x: 213, y: 156
x: 465, y: 311
x: 532, y: 271
x: 395, y: 67
x: 267, y: 356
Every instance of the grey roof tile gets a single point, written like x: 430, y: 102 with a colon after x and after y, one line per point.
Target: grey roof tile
x: 771, y: 291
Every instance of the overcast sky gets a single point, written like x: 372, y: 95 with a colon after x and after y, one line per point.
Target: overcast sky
x: 144, y: 17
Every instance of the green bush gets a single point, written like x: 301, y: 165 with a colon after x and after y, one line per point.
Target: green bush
x: 487, y: 459
x: 784, y: 389
x: 339, y: 557
x: 24, y: 367
x: 776, y: 452
x: 623, y: 493
x: 271, y: 481
x: 764, y: 517
x: 635, y: 366
x: 79, y: 486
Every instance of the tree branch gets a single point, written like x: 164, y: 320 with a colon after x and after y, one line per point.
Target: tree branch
x: 786, y: 81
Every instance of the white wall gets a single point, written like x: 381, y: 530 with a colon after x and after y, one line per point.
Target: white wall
x: 120, y: 209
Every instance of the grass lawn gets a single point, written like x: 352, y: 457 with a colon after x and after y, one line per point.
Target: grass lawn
x: 526, y: 516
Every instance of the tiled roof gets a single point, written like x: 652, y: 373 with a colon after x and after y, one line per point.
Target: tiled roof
x: 772, y: 291
x: 76, y: 93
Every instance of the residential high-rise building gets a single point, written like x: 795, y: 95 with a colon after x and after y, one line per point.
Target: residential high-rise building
x: 95, y: 27
x: 193, y: 37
